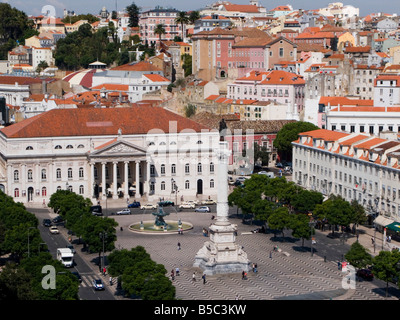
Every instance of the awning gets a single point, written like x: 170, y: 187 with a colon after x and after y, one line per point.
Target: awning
x: 395, y: 226
x: 382, y: 221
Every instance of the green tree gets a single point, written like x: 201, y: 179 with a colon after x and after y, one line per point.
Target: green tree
x: 358, y: 256
x: 182, y: 19
x: 288, y: 134
x: 160, y: 30
x: 193, y: 16
x: 279, y: 220
x: 187, y: 64
x: 190, y: 110
x: 300, y: 225
x: 304, y: 201
x: 41, y: 66
x: 15, y: 284
x: 387, y: 266
x: 73, y: 19
x: 261, y: 154
x: 133, y: 12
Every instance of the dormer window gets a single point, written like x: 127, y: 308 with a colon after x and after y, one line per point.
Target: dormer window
x: 58, y: 147
x: 29, y: 148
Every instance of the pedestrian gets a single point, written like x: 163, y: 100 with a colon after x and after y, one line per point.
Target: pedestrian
x: 122, y: 229
x: 111, y: 283
x: 389, y: 239
x: 179, y: 246
x: 372, y: 241
x: 172, y: 274
x: 177, y: 271
x: 204, y: 278
x: 237, y: 297
x: 243, y: 275
x: 270, y: 254
x: 104, y: 271
x: 255, y: 267
x: 194, y: 277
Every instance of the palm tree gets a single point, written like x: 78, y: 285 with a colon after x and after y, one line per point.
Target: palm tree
x: 160, y: 30
x: 182, y: 18
x: 194, y: 15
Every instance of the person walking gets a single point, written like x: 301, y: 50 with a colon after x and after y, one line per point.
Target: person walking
x: 179, y: 246
x: 255, y: 267
x: 172, y: 274
x: 177, y: 271
x: 194, y: 277
x: 204, y: 278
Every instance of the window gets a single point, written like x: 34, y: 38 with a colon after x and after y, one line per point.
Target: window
x: 199, y: 168
x: 44, y: 192
x: 44, y: 174
x: 162, y: 185
x: 30, y: 175
x: 187, y: 184
x: 16, y: 176
x: 81, y: 189
x: 81, y: 173
x: 29, y: 148
x: 163, y: 169
x: 187, y: 168
x: 70, y: 146
x: 212, y: 183
x: 58, y: 147
x: 212, y: 167
x: 152, y: 169
x: 58, y: 173
x: 173, y: 169
x: 16, y: 193
x: 69, y: 173
x: 81, y: 146
x: 281, y: 52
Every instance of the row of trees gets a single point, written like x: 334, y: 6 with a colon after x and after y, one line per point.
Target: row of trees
x: 139, y: 275
x: 21, y: 277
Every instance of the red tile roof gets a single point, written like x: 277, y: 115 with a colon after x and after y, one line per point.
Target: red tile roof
x: 98, y: 122
x: 324, y: 134
x: 140, y: 66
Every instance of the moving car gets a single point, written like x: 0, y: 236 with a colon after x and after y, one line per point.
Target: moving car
x: 98, y: 284
x: 148, y: 206
x: 47, y: 222
x: 365, y: 274
x: 124, y: 211
x: 187, y: 205
x: 134, y: 204
x: 202, y: 209
x: 96, y: 210
x: 58, y: 219
x: 54, y: 230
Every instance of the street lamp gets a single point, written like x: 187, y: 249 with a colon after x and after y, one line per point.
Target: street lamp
x: 175, y: 189
x: 103, y: 236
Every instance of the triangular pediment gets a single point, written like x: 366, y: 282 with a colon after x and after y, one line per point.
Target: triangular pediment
x: 119, y: 148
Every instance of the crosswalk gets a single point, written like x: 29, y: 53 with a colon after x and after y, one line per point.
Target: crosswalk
x: 87, y: 280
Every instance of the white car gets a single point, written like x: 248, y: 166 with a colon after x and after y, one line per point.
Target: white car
x: 241, y: 179
x: 209, y: 202
x: 148, y: 206
x: 124, y: 211
x: 187, y: 205
x: 54, y: 230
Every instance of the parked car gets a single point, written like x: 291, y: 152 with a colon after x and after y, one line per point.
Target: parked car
x: 77, y: 275
x: 241, y: 179
x: 230, y: 180
x: 202, y: 209
x: 166, y: 203
x: 47, y: 222
x: 263, y: 172
x: 54, y: 230
x: 58, y: 219
x: 124, y: 211
x: 365, y: 274
x: 96, y: 213
x: 148, y: 206
x: 279, y: 165
x: 134, y: 204
x: 98, y: 284
x: 187, y: 205
x: 209, y: 202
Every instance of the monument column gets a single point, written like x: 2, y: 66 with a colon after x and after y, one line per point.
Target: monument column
x: 103, y: 181
x: 137, y: 192
x: 115, y: 182
x: 126, y: 182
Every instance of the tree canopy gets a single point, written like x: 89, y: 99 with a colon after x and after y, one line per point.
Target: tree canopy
x: 133, y: 12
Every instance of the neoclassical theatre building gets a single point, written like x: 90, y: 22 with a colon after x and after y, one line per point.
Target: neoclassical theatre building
x: 137, y: 152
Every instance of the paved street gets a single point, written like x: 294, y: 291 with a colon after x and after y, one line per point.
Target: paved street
x: 293, y: 273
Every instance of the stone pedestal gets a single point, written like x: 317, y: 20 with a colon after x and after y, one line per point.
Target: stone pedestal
x: 221, y: 254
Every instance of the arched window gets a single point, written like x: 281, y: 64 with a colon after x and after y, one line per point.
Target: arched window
x: 81, y: 146
x: 162, y: 185
x: 16, y: 193
x: 199, y: 168
x: 81, y: 189
x: 187, y: 168
x: 151, y: 143
x: 58, y: 174
x: 58, y: 147
x: 152, y: 169
x: 163, y: 169
x: 81, y: 173
x: 212, y: 183
x: 70, y: 146
x: 44, y: 175
x: 187, y: 184
x: 162, y: 143
x: 212, y: 167
x: 58, y: 188
x: 173, y: 169
x: 70, y: 188
x: 69, y: 173
x: 44, y: 192
x: 30, y: 175
x: 29, y: 148
x: 16, y: 176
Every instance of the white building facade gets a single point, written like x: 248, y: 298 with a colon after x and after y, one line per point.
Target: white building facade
x: 142, y: 153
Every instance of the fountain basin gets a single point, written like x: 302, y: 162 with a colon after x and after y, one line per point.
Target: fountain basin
x: 148, y: 227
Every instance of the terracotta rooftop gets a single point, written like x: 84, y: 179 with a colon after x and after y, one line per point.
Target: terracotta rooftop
x: 98, y: 122
x: 140, y: 66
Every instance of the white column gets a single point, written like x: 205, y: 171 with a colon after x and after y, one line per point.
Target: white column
x: 103, y: 180
x: 222, y: 203
x: 126, y: 182
x: 115, y: 191
x: 91, y: 179
x: 137, y: 193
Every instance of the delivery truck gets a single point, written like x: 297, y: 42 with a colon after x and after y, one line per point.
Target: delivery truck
x: 66, y: 257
